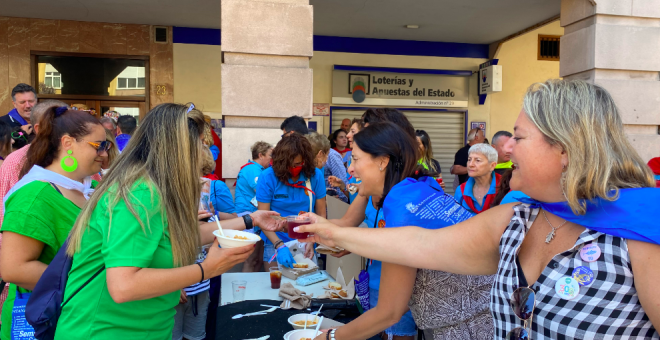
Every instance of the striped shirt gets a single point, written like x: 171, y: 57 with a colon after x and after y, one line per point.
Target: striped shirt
x: 608, y: 308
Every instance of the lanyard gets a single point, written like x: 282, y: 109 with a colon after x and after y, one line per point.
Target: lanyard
x: 300, y: 185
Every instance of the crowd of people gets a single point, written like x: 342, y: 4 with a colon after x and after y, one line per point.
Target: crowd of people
x: 134, y: 208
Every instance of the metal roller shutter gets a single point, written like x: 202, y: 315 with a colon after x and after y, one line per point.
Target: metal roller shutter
x: 446, y: 130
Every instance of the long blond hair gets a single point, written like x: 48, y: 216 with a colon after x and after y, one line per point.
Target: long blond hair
x: 165, y: 152
x: 583, y: 120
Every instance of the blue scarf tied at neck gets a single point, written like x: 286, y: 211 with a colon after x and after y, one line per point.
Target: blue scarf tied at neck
x: 635, y: 215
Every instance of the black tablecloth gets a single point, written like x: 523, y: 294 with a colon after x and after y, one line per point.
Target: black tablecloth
x: 274, y: 324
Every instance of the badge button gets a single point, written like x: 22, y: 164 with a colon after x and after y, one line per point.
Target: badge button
x: 567, y: 288
x: 590, y: 252
x: 583, y: 275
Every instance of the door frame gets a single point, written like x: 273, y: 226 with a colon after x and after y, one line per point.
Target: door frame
x: 95, y: 100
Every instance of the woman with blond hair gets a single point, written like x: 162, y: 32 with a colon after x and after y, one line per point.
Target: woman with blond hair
x: 139, y: 235
x: 578, y: 260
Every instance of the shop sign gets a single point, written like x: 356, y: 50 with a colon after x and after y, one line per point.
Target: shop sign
x: 399, y: 89
x: 490, y: 79
x: 321, y: 109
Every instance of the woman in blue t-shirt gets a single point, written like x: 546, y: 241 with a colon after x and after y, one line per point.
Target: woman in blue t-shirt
x: 293, y: 185
x: 385, y: 157
x: 248, y: 177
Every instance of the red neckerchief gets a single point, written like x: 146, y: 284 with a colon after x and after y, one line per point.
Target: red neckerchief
x: 342, y: 153
x: 300, y: 185
x: 244, y: 165
x: 489, y: 197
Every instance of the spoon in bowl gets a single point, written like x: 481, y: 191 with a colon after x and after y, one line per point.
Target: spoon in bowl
x: 217, y: 221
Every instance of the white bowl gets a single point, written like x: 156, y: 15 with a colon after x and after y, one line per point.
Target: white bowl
x: 301, y: 317
x: 228, y: 241
x: 302, y: 333
x: 286, y: 336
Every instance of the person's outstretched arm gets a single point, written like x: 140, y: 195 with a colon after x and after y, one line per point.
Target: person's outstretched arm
x: 467, y: 248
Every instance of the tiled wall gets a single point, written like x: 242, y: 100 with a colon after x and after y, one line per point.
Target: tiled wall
x: 19, y: 36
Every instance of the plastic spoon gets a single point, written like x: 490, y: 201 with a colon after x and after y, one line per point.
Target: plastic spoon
x: 319, y: 312
x: 306, y: 318
x: 217, y: 221
x: 318, y: 326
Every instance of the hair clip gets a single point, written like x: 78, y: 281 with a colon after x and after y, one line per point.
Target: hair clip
x: 190, y: 108
x: 60, y: 110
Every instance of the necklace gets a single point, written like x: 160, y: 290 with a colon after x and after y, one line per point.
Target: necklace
x: 551, y: 234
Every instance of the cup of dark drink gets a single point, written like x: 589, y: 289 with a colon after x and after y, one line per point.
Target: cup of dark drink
x: 275, y: 277
x: 294, y: 221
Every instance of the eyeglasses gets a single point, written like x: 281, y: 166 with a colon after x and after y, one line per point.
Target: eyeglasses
x: 523, y: 302
x: 100, y: 147
x: 190, y: 108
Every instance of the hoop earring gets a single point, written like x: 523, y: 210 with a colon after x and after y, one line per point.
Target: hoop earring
x: 72, y: 167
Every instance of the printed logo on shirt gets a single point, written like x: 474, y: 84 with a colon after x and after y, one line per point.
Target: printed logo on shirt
x: 256, y: 179
x: 412, y: 208
x: 381, y: 224
x: 281, y: 196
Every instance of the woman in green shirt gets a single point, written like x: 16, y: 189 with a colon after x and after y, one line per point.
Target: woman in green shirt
x: 42, y: 207
x: 141, y: 224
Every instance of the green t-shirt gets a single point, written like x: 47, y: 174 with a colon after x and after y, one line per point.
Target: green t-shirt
x: 37, y: 211
x: 120, y: 242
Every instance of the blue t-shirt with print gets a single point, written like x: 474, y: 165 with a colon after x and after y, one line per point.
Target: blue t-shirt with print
x: 374, y: 266
x: 285, y: 199
x: 221, y: 197
x: 458, y: 195
x: 246, y: 186
x: 422, y: 203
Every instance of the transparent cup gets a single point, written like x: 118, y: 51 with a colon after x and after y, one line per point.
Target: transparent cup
x: 294, y: 221
x: 239, y: 290
x: 275, y: 277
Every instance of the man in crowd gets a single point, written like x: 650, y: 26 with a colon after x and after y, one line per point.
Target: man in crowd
x: 125, y: 127
x: 475, y: 136
x: 345, y: 124
x: 24, y: 98
x: 503, y: 158
x: 294, y: 124
x: 109, y: 124
x: 14, y: 163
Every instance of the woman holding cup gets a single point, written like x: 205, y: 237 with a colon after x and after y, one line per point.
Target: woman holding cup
x: 293, y: 185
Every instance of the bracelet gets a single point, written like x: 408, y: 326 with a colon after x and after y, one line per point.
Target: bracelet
x: 327, y: 335
x: 332, y: 334
x: 202, y: 268
x: 247, y: 219
x: 277, y: 244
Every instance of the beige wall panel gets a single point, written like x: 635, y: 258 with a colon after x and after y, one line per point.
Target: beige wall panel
x: 638, y: 101
x: 265, y: 60
x: 42, y: 34
x: 253, y: 122
x: 577, y: 51
x: 614, y: 7
x: 646, y: 8
x: 267, y: 28
x: 647, y: 145
x: 297, y: 2
x: 91, y: 37
x: 161, y: 60
x: 137, y: 39
x: 68, y: 36
x: 266, y: 91
x: 114, y: 39
x: 575, y: 10
x: 5, y: 89
x: 236, y: 144
x: 615, y: 45
x: 18, y: 51
x: 197, y: 75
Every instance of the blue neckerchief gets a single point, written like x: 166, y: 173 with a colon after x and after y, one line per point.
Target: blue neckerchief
x: 17, y: 117
x: 634, y: 215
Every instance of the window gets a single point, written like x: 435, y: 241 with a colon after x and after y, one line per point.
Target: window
x: 548, y: 48
x: 53, y: 79
x: 131, y: 78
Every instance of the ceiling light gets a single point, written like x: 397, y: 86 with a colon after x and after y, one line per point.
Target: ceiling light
x: 412, y: 26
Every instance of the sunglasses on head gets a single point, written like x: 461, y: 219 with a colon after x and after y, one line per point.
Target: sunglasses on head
x: 100, y: 147
x: 523, y: 302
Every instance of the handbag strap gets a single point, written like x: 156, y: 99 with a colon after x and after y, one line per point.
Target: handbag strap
x: 83, y: 286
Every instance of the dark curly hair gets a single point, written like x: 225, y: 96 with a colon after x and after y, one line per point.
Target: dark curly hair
x: 286, y: 151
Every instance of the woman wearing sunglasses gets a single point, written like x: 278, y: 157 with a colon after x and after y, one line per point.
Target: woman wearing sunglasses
x: 42, y: 207
x: 578, y: 259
